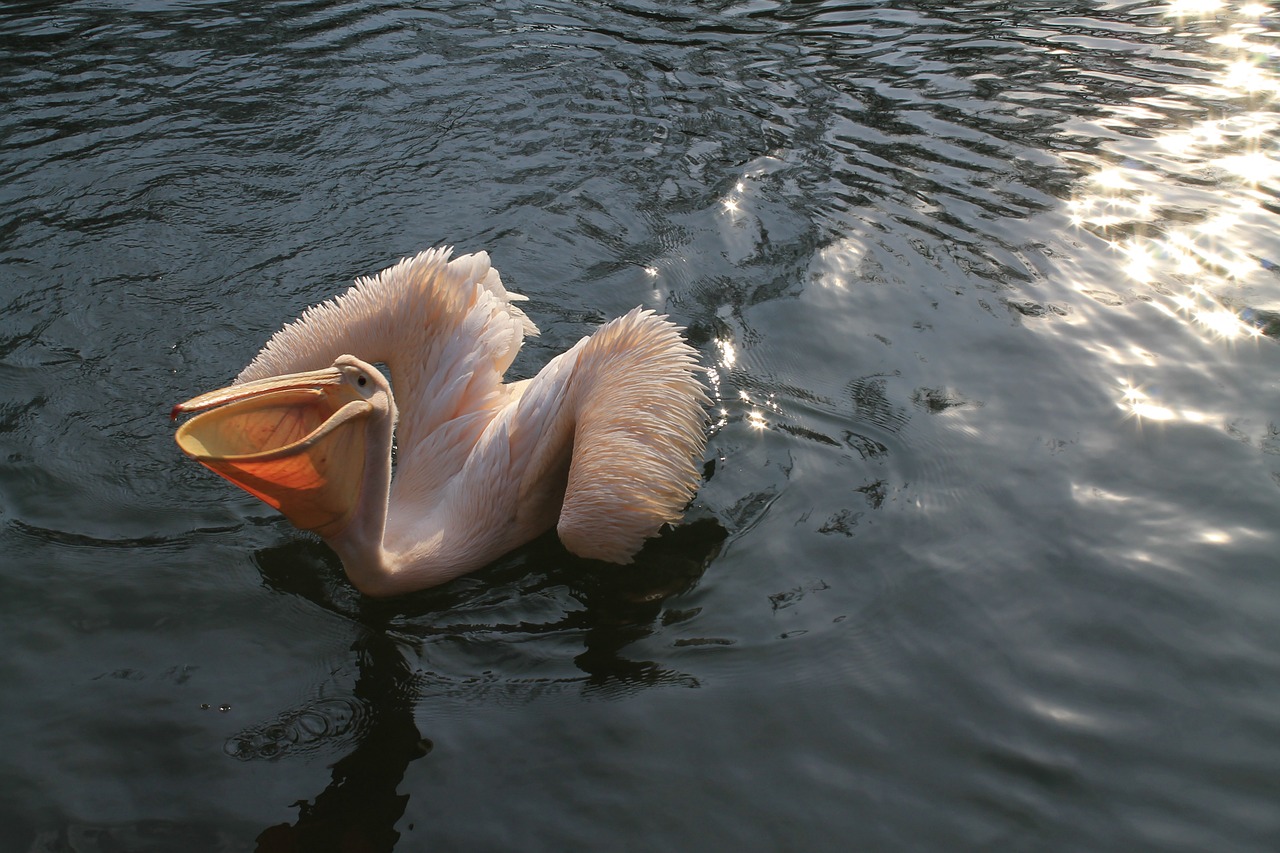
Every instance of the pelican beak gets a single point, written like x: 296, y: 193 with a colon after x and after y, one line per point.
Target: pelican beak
x: 297, y: 442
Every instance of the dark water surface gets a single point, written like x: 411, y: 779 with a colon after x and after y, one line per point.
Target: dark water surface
x: 987, y: 553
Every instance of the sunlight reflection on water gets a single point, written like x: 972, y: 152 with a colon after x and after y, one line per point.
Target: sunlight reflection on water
x: 1184, y: 221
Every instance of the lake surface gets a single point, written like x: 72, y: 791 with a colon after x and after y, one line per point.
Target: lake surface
x: 987, y: 552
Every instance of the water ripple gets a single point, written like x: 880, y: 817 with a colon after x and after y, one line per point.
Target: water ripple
x: 321, y: 725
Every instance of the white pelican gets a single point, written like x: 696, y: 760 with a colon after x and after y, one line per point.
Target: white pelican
x: 602, y: 444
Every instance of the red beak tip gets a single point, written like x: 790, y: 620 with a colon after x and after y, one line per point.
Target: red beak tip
x: 177, y: 410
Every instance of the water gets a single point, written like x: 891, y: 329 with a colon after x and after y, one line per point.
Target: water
x: 986, y: 556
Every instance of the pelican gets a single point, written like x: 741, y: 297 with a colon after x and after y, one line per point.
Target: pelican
x: 602, y: 444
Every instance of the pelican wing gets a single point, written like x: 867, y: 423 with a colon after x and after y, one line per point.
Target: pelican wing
x: 446, y: 329
x: 637, y: 437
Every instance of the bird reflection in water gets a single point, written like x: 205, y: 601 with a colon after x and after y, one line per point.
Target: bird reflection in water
x: 359, y: 809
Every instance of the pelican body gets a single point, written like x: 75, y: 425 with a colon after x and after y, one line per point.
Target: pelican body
x: 602, y: 445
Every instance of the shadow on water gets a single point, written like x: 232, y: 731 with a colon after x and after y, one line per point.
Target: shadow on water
x: 359, y: 808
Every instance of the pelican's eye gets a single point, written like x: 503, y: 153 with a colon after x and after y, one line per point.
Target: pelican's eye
x: 362, y: 381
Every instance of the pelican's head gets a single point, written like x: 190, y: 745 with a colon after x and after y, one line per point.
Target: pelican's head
x: 298, y: 442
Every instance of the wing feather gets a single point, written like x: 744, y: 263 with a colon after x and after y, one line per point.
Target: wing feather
x: 638, y: 436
